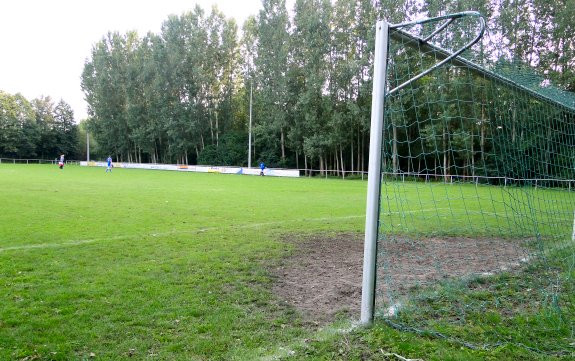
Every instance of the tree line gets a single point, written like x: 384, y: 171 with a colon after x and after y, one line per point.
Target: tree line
x: 38, y: 128
x: 183, y: 95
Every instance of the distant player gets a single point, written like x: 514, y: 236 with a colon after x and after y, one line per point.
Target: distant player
x: 61, y: 162
x: 262, y: 167
x: 110, y: 166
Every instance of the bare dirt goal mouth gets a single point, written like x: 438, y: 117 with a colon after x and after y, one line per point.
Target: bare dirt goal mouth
x: 322, y: 278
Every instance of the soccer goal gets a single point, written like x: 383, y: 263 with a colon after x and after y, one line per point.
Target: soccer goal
x: 470, y: 206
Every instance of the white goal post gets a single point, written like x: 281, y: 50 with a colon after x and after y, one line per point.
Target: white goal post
x: 376, y: 134
x: 374, y: 173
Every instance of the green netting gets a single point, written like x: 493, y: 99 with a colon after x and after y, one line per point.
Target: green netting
x: 477, y: 206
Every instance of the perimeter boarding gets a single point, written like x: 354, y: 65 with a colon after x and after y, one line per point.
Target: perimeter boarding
x: 294, y: 173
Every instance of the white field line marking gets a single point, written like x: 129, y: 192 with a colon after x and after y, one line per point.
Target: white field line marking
x: 282, y: 352
x: 62, y: 244
x: 161, y: 234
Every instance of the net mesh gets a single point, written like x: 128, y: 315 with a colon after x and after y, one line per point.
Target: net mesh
x: 477, y: 203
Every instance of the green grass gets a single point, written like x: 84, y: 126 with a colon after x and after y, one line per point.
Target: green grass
x: 476, y: 210
x: 156, y: 264
x: 524, y: 308
x: 164, y: 265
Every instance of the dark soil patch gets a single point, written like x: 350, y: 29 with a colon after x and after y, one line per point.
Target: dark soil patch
x: 322, y: 278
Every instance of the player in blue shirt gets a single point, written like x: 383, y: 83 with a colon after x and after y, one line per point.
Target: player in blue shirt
x: 262, y: 167
x: 109, y: 160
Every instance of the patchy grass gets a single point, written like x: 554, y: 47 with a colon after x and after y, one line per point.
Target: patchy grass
x: 152, y: 264
x: 161, y: 265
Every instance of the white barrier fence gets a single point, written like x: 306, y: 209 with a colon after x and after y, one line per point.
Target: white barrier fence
x: 200, y: 168
x: 33, y: 161
x: 395, y: 176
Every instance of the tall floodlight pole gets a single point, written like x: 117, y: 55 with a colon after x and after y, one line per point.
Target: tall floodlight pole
x: 374, y: 173
x: 87, y: 147
x: 250, y: 127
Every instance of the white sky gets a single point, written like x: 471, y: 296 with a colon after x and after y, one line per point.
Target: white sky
x: 44, y: 43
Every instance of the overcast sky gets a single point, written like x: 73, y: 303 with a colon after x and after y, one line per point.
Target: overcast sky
x: 44, y: 43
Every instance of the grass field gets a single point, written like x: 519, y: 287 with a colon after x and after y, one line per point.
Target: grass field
x: 168, y: 265
x: 158, y: 265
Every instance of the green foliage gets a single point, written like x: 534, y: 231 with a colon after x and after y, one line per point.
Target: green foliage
x: 178, y: 92
x: 36, y: 129
x: 13, y: 113
x: 171, y: 94
x: 231, y: 151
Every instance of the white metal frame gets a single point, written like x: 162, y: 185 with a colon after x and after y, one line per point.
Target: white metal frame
x: 374, y: 175
x: 376, y: 136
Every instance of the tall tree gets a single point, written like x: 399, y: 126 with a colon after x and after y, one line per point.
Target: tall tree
x: 19, y: 133
x: 29, y: 134
x: 66, y: 129
x: 271, y: 65
x: 311, y: 49
x: 48, y: 146
x: 104, y: 84
x: 555, y: 49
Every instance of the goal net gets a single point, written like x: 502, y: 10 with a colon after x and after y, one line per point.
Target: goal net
x: 475, y: 199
